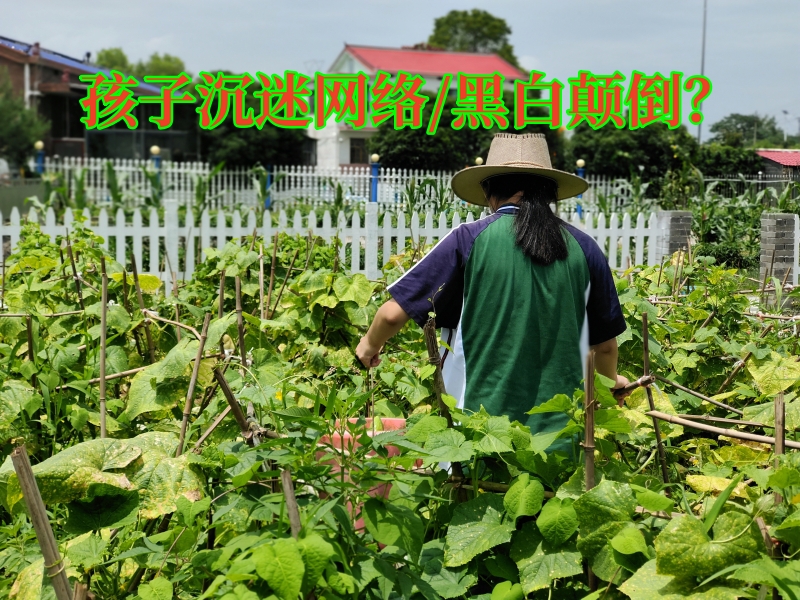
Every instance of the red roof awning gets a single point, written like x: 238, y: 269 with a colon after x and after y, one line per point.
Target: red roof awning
x: 432, y: 63
x: 787, y: 158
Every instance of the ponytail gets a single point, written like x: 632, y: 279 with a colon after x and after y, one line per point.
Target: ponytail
x: 538, y: 231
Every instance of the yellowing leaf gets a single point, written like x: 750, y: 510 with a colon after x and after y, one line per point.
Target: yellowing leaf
x: 775, y: 373
x: 706, y: 484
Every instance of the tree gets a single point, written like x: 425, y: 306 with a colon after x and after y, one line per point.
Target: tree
x: 449, y: 149
x: 20, y: 127
x: 473, y: 31
x: 747, y: 130
x: 158, y: 64
x: 113, y: 59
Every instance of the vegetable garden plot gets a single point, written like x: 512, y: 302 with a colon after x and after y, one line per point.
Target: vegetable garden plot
x: 220, y: 474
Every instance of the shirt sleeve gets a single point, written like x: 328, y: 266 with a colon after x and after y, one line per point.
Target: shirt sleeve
x: 603, y: 311
x: 435, y: 283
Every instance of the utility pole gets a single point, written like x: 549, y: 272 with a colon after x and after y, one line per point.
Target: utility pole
x: 702, y: 64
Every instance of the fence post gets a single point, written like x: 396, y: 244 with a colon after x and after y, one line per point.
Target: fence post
x: 371, y: 268
x: 171, y: 237
x: 778, y: 236
x: 675, y: 228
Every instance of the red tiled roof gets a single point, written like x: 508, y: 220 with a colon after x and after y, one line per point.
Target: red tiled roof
x: 432, y: 63
x: 787, y: 158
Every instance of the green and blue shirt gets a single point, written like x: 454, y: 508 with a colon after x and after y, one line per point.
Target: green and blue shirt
x: 517, y: 332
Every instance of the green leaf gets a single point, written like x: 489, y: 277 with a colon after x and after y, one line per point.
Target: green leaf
x: 280, y: 563
x: 684, y: 549
x: 476, y: 526
x: 558, y: 403
x: 712, y: 515
x: 149, y: 284
x: 28, y: 584
x: 449, y: 446
x: 217, y: 328
x: 681, y: 361
x: 157, y: 589
x: 507, y: 590
x: 394, y: 525
x: 653, y: 501
x: 539, y: 562
x: 104, y: 506
x: 630, y: 548
x: 424, y: 427
x: 316, y: 553
x: 448, y: 583
x: 775, y: 373
x: 356, y: 288
x: 647, y: 584
x: 88, y: 552
x: 557, y: 521
x: 603, y: 512
x: 524, y: 497
x: 785, y: 576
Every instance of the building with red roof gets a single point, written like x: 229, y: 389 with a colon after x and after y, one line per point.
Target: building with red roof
x: 780, y: 161
x: 338, y: 144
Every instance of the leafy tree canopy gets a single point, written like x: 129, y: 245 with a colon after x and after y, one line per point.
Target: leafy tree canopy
x: 747, y: 130
x: 473, y: 31
x: 20, y: 127
x: 157, y: 64
x: 449, y: 149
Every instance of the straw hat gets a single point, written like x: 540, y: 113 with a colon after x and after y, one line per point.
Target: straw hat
x: 511, y: 153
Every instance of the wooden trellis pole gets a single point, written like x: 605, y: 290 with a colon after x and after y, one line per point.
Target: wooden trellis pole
x: 148, y: 335
x: 662, y: 457
x: 103, y: 338
x: 53, y: 562
x: 780, y: 435
x: 240, y: 322
x: 187, y: 407
x: 220, y: 308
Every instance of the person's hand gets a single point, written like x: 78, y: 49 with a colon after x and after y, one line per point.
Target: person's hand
x: 622, y: 381
x: 368, y: 354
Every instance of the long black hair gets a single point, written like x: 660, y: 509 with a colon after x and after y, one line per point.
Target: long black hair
x: 539, y: 232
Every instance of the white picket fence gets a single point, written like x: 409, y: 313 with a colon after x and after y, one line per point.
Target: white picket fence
x: 291, y: 184
x: 625, y: 241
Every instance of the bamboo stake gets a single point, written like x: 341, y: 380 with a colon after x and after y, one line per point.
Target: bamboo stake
x: 31, y: 351
x: 177, y: 308
x: 286, y: 279
x: 272, y: 270
x: 662, y: 457
x: 742, y: 362
x: 240, y: 321
x: 187, y: 407
x: 699, y: 395
x: 291, y: 502
x: 3, y: 288
x: 211, y: 428
x: 103, y: 341
x: 706, y: 322
x: 780, y: 435
x: 588, y: 412
x: 53, y: 561
x: 643, y: 381
x: 75, y: 276
x: 151, y: 314
x: 588, y: 442
x: 220, y: 309
x: 741, y: 435
x: 147, y: 333
x: 234, y: 406
x: 261, y: 312
x: 724, y: 420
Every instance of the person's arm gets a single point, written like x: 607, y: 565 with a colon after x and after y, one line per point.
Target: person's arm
x: 389, y: 319
x: 605, y: 362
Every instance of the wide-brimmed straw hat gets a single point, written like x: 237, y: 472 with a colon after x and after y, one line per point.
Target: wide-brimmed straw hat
x: 511, y: 153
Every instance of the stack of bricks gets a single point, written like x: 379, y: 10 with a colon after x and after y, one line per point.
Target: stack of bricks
x: 777, y: 235
x: 676, y: 227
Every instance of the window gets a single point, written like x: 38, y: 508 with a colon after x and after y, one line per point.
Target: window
x: 358, y: 151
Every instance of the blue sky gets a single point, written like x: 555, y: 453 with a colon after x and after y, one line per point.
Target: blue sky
x: 752, y: 47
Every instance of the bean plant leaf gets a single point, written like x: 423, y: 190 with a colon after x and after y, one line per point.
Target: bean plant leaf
x: 603, y: 512
x: 316, y: 553
x: 540, y: 562
x: 394, y: 525
x: 28, y: 584
x: 447, y: 582
x: 785, y: 576
x: 476, y: 526
x: 775, y: 373
x: 524, y: 497
x: 449, y: 446
x: 356, y: 288
x: 88, y: 552
x: 281, y: 565
x: 429, y: 424
x: 647, y: 584
x: 557, y: 521
x: 217, y: 328
x: 159, y: 588
x: 104, y: 506
x: 684, y: 549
